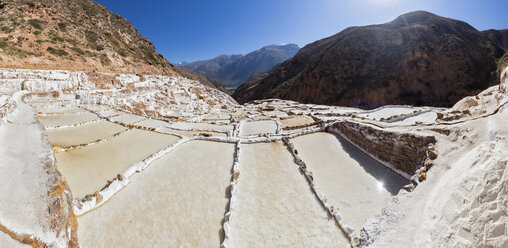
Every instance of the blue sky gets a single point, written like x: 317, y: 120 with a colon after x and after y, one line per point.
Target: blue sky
x: 188, y: 30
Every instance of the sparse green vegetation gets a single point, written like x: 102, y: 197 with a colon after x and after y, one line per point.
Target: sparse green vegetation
x: 57, y: 52
x: 55, y: 38
x: 62, y: 26
x: 11, y: 48
x: 35, y: 23
x: 37, y: 32
x: 105, y: 60
x: 3, y: 44
x: 6, y: 29
x: 92, y: 38
x: 112, y: 40
x: 78, y: 50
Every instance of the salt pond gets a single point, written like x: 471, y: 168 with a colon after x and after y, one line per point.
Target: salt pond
x: 276, y: 206
x: 258, y: 127
x: 65, y: 137
x: 178, y: 201
x: 357, y: 185
x: 63, y: 120
x: 88, y: 169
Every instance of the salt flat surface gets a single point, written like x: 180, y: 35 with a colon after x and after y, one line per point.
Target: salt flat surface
x: 352, y: 182
x: 424, y: 118
x: 205, y: 126
x: 387, y: 112
x: 296, y: 120
x: 178, y: 201
x: 276, y: 206
x: 62, y: 120
x: 191, y: 133
x: 26, y: 176
x: 258, y: 127
x: 83, y: 134
x: 59, y: 110
x: 8, y: 242
x: 128, y: 118
x: 152, y: 123
x: 54, y: 107
x: 110, y: 112
x: 88, y: 169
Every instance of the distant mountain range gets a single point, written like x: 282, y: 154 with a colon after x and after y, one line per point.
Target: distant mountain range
x: 417, y: 59
x: 233, y: 70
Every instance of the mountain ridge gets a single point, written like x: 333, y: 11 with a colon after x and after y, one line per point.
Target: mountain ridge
x: 231, y: 70
x: 419, y: 58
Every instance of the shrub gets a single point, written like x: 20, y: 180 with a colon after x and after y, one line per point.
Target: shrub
x: 6, y: 29
x: 36, y: 23
x: 105, y: 60
x: 62, y: 26
x: 37, y: 32
x: 78, y: 50
x: 57, y: 52
x: 3, y: 44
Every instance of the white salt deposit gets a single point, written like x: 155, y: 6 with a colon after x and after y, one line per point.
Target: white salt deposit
x: 249, y: 128
x: 178, y: 201
x: 88, y: 169
x: 355, y: 184
x: 64, y: 120
x: 83, y: 134
x: 275, y: 205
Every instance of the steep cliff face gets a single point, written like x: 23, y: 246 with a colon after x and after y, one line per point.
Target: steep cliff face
x: 417, y: 59
x: 76, y: 35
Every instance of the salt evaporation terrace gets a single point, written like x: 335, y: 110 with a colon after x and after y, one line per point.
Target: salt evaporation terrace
x: 269, y: 173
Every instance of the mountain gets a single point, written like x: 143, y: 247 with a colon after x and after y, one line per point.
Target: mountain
x: 418, y: 59
x: 500, y: 37
x: 232, y: 70
x: 76, y: 35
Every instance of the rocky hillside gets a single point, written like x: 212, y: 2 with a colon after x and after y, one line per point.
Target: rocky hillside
x: 73, y: 34
x: 500, y: 37
x: 232, y: 70
x: 417, y: 59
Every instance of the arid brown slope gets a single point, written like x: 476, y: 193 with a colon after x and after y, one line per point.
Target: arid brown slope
x: 201, y: 78
x: 76, y: 35
x: 418, y: 59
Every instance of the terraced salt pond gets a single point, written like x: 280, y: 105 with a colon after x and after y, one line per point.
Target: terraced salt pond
x: 354, y: 183
x: 178, y: 201
x: 88, y: 169
x: 275, y: 205
x: 185, y: 192
x: 65, y: 137
x: 128, y: 118
x: 249, y: 128
x: 62, y: 120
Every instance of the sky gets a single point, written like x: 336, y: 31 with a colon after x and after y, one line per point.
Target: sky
x: 190, y: 30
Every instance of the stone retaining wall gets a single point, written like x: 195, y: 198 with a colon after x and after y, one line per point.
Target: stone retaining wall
x: 403, y: 152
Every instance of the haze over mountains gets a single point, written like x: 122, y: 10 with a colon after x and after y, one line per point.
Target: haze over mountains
x: 417, y: 59
x: 232, y: 70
